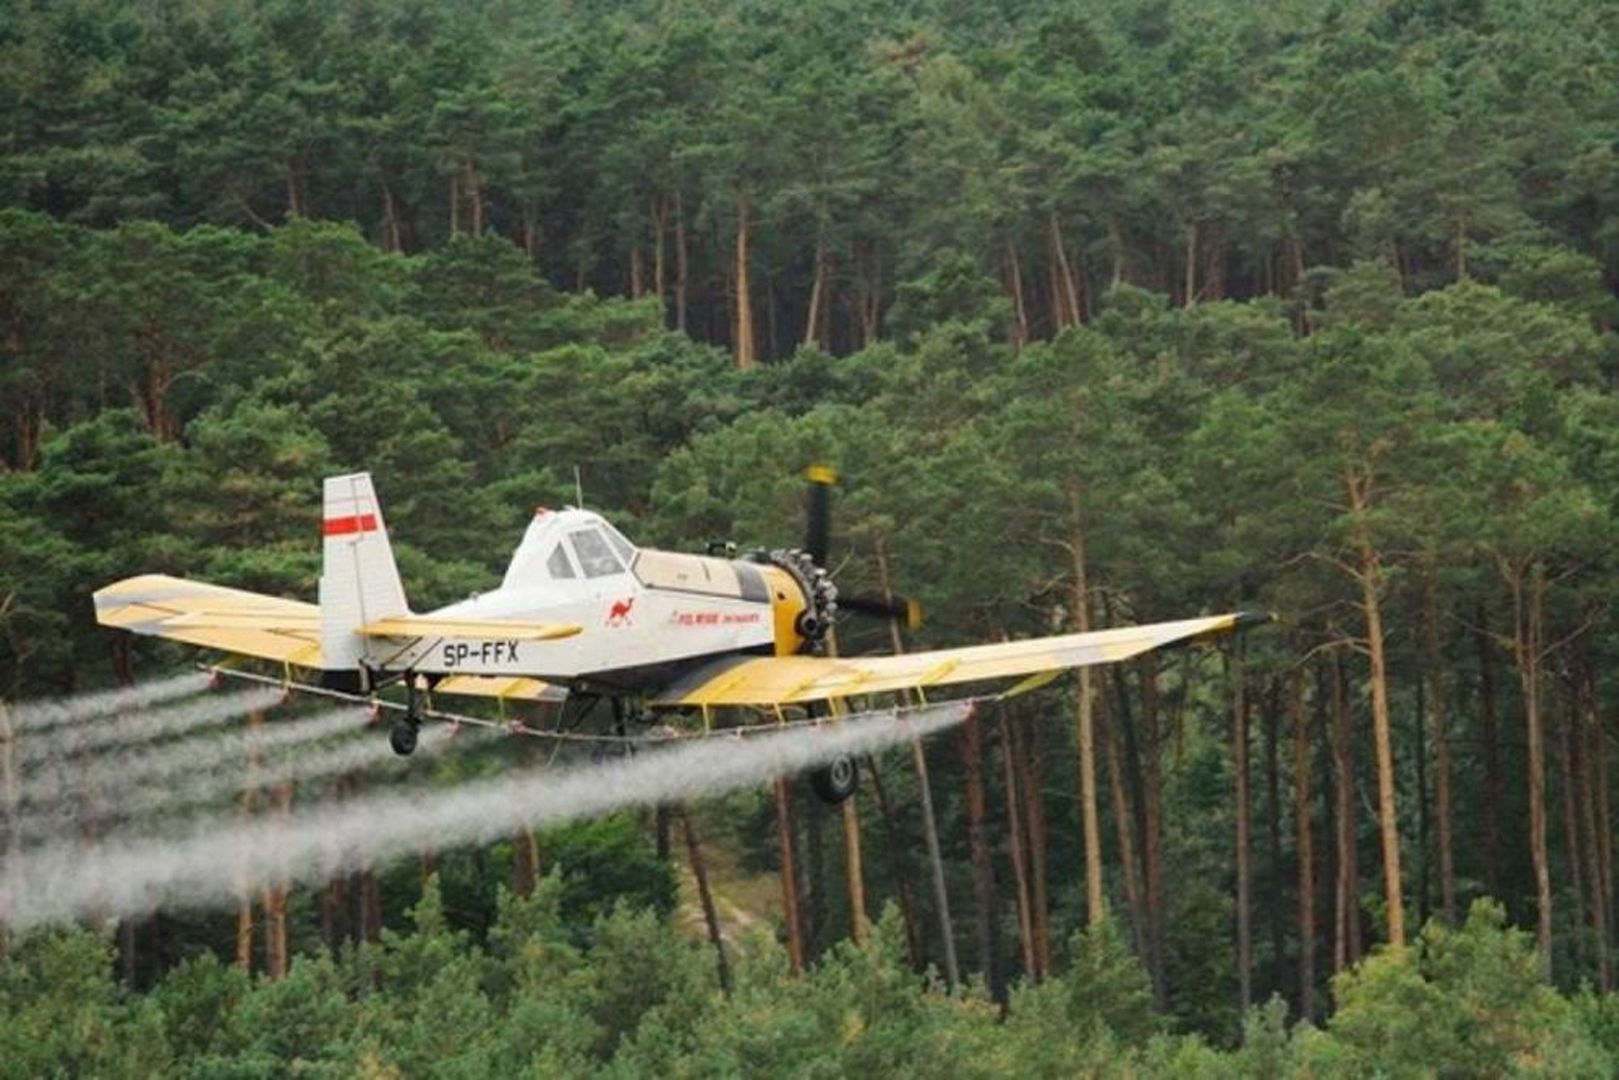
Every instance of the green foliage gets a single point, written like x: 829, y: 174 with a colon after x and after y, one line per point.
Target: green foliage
x: 1472, y: 999
x: 607, y: 862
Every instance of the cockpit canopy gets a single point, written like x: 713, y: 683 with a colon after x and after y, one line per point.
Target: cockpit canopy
x: 568, y: 545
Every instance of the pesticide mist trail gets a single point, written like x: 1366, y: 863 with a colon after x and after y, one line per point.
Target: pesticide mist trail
x: 369, y: 752
x: 118, y: 730
x: 35, y: 715
x: 119, y: 770
x: 72, y: 879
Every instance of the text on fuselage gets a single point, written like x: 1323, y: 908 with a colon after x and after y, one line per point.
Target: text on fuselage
x: 459, y: 653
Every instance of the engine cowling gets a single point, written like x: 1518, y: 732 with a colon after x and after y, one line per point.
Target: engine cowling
x: 803, y: 599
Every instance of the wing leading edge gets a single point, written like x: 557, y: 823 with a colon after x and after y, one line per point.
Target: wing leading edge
x: 782, y: 680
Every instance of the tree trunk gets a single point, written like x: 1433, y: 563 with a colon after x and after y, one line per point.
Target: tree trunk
x: 334, y: 914
x: 1572, y: 853
x: 1594, y: 814
x: 930, y: 827
x: 897, y: 868
x: 1369, y: 576
x: 637, y: 274
x: 812, y: 882
x: 247, y: 802
x: 1305, y: 842
x: 370, y: 899
x: 969, y: 744
x: 1272, y: 707
x: 1124, y: 828
x: 275, y: 895
x: 1064, y: 271
x: 1079, y: 597
x: 1490, y: 737
x: 1116, y: 249
x: 660, y: 226
x: 1031, y: 767
x: 526, y: 862
x: 1015, y: 842
x: 1526, y: 648
x: 1239, y: 754
x: 682, y: 264
x: 789, y: 877
x: 531, y: 231
x: 1346, y: 935
x: 1190, y: 284
x: 813, y: 334
x: 1419, y: 759
x: 1014, y: 286
x: 699, y: 871
x: 1152, y: 829
x: 1591, y: 847
x: 854, y: 871
x: 1441, y: 745
x: 941, y: 895
x: 10, y: 795
x: 868, y: 304
x: 743, y: 343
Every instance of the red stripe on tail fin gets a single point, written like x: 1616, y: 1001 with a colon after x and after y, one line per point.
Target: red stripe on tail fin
x: 354, y: 523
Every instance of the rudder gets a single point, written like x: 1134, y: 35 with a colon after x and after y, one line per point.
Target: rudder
x: 359, y: 581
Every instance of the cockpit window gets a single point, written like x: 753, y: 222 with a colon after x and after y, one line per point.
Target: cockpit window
x: 626, y: 554
x: 559, y: 566
x: 595, y: 557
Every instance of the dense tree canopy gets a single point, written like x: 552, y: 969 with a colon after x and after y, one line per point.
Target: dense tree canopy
x: 1106, y: 311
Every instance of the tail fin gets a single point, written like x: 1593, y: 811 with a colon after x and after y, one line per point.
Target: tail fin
x: 359, y: 582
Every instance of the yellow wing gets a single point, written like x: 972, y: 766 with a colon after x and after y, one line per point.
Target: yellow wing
x: 232, y: 620
x: 780, y: 680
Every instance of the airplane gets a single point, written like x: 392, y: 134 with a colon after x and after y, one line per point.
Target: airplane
x: 583, y: 614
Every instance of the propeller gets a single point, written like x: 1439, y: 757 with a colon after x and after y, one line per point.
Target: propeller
x: 817, y: 542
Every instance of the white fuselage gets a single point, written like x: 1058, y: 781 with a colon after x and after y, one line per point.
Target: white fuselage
x: 639, y: 609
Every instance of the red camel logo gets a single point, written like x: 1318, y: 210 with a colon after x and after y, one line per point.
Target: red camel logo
x: 619, y: 613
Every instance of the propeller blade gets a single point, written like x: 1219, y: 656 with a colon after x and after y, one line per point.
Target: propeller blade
x: 904, y: 609
x: 818, y: 512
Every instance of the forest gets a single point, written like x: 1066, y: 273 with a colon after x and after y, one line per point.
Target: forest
x: 1105, y: 311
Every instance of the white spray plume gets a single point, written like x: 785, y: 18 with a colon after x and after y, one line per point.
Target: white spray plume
x: 118, y: 770
x: 71, y: 880
x: 33, y: 715
x: 141, y: 727
x: 299, y: 764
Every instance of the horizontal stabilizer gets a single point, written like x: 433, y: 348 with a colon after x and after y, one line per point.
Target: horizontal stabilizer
x: 214, y: 617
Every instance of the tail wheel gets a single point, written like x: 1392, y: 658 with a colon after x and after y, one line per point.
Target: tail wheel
x: 837, y: 780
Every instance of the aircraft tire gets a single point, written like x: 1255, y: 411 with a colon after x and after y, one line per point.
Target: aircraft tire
x: 836, y: 781
x: 402, y: 737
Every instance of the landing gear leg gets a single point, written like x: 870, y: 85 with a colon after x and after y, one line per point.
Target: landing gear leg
x: 402, y: 736
x: 623, y: 748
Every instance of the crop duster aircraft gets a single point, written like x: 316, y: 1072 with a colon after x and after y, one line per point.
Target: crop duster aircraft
x: 583, y: 609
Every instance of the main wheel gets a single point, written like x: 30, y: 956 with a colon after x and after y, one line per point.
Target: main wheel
x: 402, y: 737
x: 836, y: 780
